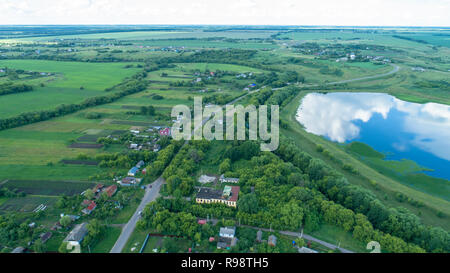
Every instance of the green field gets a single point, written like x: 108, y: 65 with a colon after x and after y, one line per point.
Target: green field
x: 64, y: 86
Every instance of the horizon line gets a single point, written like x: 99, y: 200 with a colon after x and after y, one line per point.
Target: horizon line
x: 252, y: 25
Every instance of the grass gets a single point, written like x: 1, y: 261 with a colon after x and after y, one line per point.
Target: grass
x: 3, y: 200
x: 404, y: 171
x: 338, y: 236
x: 108, y: 240
x: 136, y: 241
x: 364, y: 150
x: 125, y: 214
x: 52, y: 245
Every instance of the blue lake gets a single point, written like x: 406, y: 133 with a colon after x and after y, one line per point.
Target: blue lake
x: 399, y: 129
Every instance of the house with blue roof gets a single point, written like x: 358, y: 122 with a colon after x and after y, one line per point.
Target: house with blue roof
x: 133, y: 171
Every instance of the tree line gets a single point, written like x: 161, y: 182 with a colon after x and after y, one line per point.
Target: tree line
x: 11, y: 88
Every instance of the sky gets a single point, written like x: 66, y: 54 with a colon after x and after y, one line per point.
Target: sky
x: 228, y: 12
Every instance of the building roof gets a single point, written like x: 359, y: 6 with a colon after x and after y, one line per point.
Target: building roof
x: 111, y: 190
x: 128, y: 180
x: 228, y: 179
x: 259, y: 235
x: 272, y: 240
x: 46, y: 236
x: 227, y: 191
x: 230, y: 193
x: 133, y: 170
x: 97, y: 187
x: 140, y: 164
x: 77, y: 234
x: 18, y: 249
x: 306, y: 250
x: 227, y: 231
x: 234, y: 193
x: 208, y: 193
x: 91, y: 206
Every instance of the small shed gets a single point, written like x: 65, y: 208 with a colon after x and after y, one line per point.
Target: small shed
x: 272, y: 241
x: 259, y: 236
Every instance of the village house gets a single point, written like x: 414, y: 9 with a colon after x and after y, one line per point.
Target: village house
x: 97, y: 190
x: 77, y: 234
x: 75, y: 217
x: 418, y: 68
x: 133, y: 171
x: 90, y: 208
x: 140, y: 164
x: 45, y: 236
x: 85, y: 203
x: 110, y: 191
x: 259, y: 236
x: 227, y: 238
x: 129, y: 181
x: 224, y: 179
x: 228, y: 196
x: 206, y: 179
x: 18, y: 249
x: 165, y: 132
x: 306, y: 250
x: 272, y: 240
x: 133, y: 146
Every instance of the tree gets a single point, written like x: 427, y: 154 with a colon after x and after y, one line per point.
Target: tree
x: 39, y: 247
x: 248, y: 203
x: 65, y: 221
x: 225, y: 166
x: 89, y: 194
x: 291, y: 215
x: 63, y: 248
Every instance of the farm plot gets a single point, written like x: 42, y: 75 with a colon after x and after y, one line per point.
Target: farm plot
x: 80, y: 162
x: 48, y: 187
x: 86, y: 145
x: 27, y: 204
x: 93, y: 135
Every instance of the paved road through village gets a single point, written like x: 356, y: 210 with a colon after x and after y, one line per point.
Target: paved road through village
x: 150, y: 195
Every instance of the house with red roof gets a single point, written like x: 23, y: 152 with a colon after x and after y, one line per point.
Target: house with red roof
x: 164, y: 132
x: 111, y: 190
x: 90, y: 208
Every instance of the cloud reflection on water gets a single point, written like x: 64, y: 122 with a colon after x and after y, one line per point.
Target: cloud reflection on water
x: 336, y: 116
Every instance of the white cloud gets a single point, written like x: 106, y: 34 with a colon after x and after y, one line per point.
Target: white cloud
x: 252, y: 12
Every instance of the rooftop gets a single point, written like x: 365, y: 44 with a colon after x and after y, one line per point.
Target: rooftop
x: 208, y: 193
x: 229, y: 193
x: 227, y: 230
x: 77, y: 233
x: 111, y: 190
x: 133, y: 170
